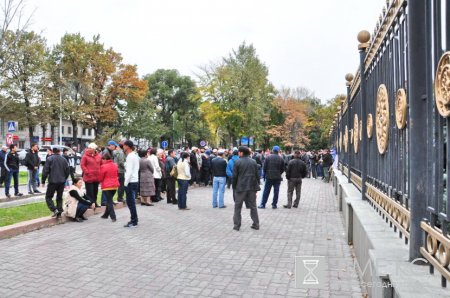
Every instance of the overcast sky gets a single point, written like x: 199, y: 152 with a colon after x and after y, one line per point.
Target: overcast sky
x: 308, y: 43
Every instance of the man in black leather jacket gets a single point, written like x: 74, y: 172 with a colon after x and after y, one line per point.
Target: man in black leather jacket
x: 245, y: 185
x: 273, y: 168
x: 296, y: 171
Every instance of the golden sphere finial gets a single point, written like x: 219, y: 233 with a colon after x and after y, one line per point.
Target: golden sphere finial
x: 349, y: 77
x: 364, y: 36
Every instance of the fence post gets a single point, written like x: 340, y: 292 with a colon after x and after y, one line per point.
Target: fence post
x: 363, y: 38
x: 417, y: 123
x: 349, y: 79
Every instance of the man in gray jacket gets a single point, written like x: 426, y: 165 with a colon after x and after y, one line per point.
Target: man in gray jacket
x: 57, y: 170
x: 245, y: 185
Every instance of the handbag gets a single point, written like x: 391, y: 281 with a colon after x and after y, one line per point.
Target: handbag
x: 174, y: 172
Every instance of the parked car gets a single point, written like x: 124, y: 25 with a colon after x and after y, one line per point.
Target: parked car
x: 43, y: 152
x: 22, y: 154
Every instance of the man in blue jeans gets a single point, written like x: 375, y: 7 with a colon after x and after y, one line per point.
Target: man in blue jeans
x: 273, y: 168
x: 131, y: 181
x: 12, y: 171
x: 219, y: 173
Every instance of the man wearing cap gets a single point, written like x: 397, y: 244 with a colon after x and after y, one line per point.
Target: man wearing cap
x: 131, y: 181
x: 273, y: 168
x: 57, y: 170
x: 245, y: 186
x: 2, y: 165
x: 219, y: 173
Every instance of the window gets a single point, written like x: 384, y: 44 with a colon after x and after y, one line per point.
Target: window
x: 62, y: 129
x: 21, y: 144
x: 69, y: 130
x: 20, y: 127
x: 90, y: 131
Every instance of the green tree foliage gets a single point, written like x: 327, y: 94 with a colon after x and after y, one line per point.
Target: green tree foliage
x: 24, y: 76
x: 172, y: 93
x: 240, y: 94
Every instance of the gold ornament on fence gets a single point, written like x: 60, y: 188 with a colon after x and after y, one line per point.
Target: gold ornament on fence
x: 355, y: 133
x: 382, y: 119
x: 442, y: 85
x: 369, y: 126
x: 401, y: 106
x: 346, y: 139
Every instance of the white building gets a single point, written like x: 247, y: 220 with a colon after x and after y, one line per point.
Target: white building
x: 21, y: 135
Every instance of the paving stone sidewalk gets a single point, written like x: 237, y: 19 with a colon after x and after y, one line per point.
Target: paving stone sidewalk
x: 192, y: 253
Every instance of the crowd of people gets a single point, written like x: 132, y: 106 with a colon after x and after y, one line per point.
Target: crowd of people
x: 150, y: 174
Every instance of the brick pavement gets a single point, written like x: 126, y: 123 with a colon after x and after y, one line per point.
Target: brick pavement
x: 184, y: 253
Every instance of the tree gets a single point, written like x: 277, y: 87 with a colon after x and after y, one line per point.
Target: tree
x: 24, y: 75
x: 172, y: 93
x: 239, y: 88
x: 70, y: 68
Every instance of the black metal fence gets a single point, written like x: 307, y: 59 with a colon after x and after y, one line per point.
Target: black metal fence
x: 392, y: 131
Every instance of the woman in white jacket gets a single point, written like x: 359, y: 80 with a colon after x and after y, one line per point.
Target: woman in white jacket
x: 157, y: 175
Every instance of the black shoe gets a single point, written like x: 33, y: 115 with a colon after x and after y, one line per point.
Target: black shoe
x: 130, y: 225
x: 255, y: 227
x: 83, y: 217
x: 274, y: 207
x: 236, y: 228
x: 103, y: 205
x: 113, y: 220
x: 295, y: 206
x: 59, y: 214
x: 223, y: 206
x: 261, y: 207
x: 286, y: 206
x: 30, y: 192
x: 77, y: 219
x: 175, y: 202
x: 19, y: 194
x: 37, y: 191
x: 105, y: 217
x: 55, y: 213
x: 8, y: 196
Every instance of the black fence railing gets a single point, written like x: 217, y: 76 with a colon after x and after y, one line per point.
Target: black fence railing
x: 392, y: 131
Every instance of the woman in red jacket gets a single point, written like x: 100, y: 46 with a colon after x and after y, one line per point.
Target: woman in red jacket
x: 90, y: 164
x: 109, y: 179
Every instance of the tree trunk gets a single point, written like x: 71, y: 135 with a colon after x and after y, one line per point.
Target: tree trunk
x: 75, y: 133
x: 44, y: 130
x: 52, y: 134
x: 30, y: 133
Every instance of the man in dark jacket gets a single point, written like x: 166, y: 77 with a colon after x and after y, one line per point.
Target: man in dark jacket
x: 57, y: 170
x: 295, y: 172
x: 327, y: 163
x: 171, y: 181
x: 245, y: 185
x: 194, y: 166
x: 12, y: 169
x: 273, y: 168
x: 32, y: 161
x: 219, y: 173
x: 3, y: 173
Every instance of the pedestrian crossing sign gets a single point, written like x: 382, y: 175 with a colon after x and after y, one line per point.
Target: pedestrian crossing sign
x: 11, y: 126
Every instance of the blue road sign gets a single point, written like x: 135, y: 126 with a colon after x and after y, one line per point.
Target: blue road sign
x: 244, y: 141
x: 164, y: 144
x: 11, y: 126
x: 202, y: 143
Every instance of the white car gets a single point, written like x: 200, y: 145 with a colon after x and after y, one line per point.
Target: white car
x: 43, y: 152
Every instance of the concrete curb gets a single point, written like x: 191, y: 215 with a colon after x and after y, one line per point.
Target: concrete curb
x: 43, y: 222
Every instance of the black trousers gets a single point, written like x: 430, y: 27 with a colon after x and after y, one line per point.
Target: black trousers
x: 121, y: 190
x: 109, y: 211
x: 171, y: 190
x: 249, y: 197
x: 3, y: 174
x: 157, y: 196
x: 92, y: 191
x: 51, y: 189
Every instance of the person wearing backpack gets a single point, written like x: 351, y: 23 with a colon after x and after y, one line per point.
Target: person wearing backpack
x: 171, y: 163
